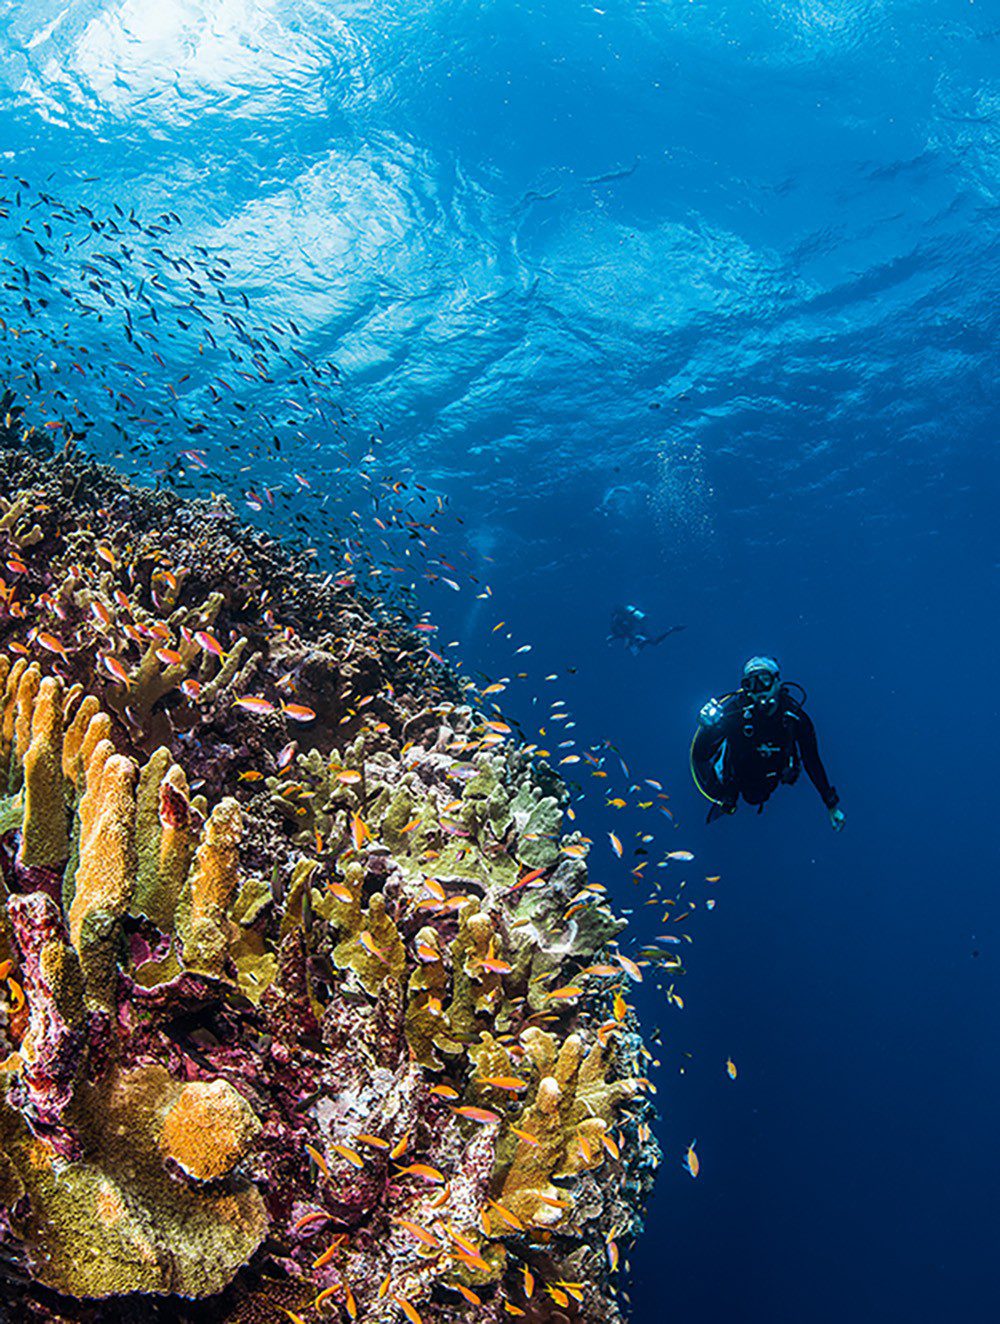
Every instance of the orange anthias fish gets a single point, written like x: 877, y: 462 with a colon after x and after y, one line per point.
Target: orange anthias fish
x: 253, y: 703
x: 368, y: 943
x: 482, y: 1115
x: 503, y: 1082
x: 422, y: 1170
x: 408, y: 1309
x: 351, y: 1155
x: 318, y: 1159
x: 209, y: 643
x: 525, y: 880
x: 526, y: 1136
x: 114, y: 668
x: 444, y: 1091
x: 467, y: 1292
x: 691, y: 1163
x: 630, y: 968
x: 421, y: 1234
x: 360, y: 833
x: 298, y: 712
x: 50, y: 642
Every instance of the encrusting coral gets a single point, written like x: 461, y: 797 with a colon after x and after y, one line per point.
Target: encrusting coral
x: 306, y: 1002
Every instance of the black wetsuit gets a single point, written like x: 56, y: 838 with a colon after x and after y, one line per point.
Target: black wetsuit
x: 748, y: 751
x: 626, y: 626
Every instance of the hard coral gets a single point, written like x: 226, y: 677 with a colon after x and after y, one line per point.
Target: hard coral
x: 282, y: 1019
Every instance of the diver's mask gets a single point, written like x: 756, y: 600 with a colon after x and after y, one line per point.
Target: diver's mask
x: 761, y: 682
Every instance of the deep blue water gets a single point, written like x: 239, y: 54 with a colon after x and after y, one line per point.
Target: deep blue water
x: 695, y: 306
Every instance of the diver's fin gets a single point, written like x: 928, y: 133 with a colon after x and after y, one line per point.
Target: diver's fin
x: 717, y: 811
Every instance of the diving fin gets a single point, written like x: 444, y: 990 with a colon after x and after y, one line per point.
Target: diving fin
x: 719, y: 810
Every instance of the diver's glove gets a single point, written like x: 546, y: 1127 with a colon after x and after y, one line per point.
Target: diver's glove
x: 836, y: 819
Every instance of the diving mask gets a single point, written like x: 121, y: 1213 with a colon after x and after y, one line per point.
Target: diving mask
x: 761, y: 677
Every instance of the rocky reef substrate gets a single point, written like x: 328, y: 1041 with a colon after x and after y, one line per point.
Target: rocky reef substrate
x: 307, y: 1003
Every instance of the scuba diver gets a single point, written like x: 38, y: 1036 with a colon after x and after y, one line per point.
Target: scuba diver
x: 626, y: 625
x: 749, y: 742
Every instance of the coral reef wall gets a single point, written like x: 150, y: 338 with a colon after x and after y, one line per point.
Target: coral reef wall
x: 308, y: 1007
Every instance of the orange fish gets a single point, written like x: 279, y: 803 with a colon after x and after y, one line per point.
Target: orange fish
x: 422, y: 1170
x: 526, y: 1136
x: 529, y: 1281
x: 616, y: 845
x: 360, y: 833
x: 401, y: 1146
x: 467, y: 1292
x: 368, y: 943
x: 612, y: 1246
x: 114, y: 668
x: 408, y: 1309
x: 50, y: 642
x: 322, y: 1260
x: 376, y: 1142
x: 420, y: 1233
x: 209, y: 643
x: 691, y: 1162
x: 251, y: 703
x: 510, y: 1219
x: 317, y: 1216
x: 298, y: 712
x: 351, y: 1155
x: 482, y: 1115
x: 569, y: 991
x: 190, y: 688
x: 630, y: 968
x: 610, y: 1145
x: 340, y: 891
x: 503, y: 1082
x: 620, y: 1007
x: 525, y: 880
x: 443, y: 1091
x: 318, y: 1159
x: 5, y: 968
x: 168, y: 656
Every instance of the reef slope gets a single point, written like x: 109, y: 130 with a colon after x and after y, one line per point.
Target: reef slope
x: 307, y: 1000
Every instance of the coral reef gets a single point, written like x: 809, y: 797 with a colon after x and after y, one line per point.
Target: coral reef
x: 307, y: 1004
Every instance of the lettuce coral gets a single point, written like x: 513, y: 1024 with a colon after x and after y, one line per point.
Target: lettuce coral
x: 291, y: 1014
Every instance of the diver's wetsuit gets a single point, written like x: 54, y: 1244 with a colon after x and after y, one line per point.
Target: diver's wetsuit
x: 748, y: 751
x: 625, y: 625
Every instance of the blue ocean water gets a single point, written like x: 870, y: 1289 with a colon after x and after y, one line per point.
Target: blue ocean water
x: 688, y: 305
